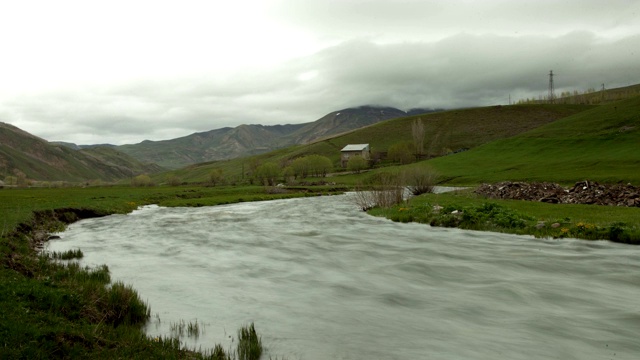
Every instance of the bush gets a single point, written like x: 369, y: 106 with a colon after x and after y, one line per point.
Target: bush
x: 357, y: 164
x: 401, y: 153
x: 267, y: 173
x: 174, y: 180
x: 382, y: 190
x: 420, y: 180
x: 216, y: 177
x: 141, y: 180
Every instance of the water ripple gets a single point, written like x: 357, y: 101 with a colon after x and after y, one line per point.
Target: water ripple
x: 321, y: 280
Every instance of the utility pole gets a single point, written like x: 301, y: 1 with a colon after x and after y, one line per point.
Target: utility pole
x: 552, y: 95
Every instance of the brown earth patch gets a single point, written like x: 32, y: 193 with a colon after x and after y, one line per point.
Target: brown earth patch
x: 583, y: 192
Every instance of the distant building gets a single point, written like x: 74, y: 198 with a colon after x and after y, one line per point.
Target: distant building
x: 354, y: 150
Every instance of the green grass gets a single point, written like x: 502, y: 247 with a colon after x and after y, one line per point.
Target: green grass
x: 67, y: 255
x: 600, y: 145
x: 474, y: 212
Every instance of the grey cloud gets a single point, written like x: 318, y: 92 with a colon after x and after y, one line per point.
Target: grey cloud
x: 423, y: 19
x: 457, y: 71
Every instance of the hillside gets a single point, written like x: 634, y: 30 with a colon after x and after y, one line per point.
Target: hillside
x: 247, y: 140
x: 601, y: 144
x: 25, y: 156
x: 445, y: 132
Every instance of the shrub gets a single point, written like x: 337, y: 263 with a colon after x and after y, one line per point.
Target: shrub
x: 383, y: 190
x: 216, y: 177
x: 174, y: 180
x: 267, y: 173
x: 420, y: 180
x: 356, y: 164
x: 141, y: 180
x: 401, y: 153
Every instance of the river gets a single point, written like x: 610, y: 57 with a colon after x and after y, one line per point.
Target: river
x: 323, y: 280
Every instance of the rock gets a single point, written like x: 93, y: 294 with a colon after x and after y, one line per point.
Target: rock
x: 555, y: 225
x: 540, y: 225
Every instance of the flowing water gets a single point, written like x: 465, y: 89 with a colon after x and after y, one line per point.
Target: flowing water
x: 322, y: 280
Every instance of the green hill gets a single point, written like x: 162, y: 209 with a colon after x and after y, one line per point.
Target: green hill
x: 445, y: 132
x: 601, y: 144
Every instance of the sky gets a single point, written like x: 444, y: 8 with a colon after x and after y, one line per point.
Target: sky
x: 120, y: 72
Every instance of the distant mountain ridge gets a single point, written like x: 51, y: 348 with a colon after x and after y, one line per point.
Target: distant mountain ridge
x: 245, y: 140
x: 26, y: 156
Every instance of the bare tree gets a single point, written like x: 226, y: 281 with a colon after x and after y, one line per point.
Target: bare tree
x: 419, y: 180
x: 417, y: 131
x: 384, y: 190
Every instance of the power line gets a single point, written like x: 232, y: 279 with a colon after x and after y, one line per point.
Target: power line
x: 552, y: 95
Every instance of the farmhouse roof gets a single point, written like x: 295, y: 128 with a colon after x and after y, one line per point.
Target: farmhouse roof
x: 355, y: 147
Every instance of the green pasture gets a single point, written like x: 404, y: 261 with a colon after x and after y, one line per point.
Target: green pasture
x: 601, y: 144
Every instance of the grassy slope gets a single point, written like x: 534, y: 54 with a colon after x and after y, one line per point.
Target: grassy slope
x: 444, y: 132
x: 601, y: 144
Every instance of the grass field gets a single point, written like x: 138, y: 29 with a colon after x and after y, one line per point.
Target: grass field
x: 602, y: 144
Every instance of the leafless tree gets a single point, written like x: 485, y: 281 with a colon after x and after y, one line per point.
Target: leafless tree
x: 417, y: 131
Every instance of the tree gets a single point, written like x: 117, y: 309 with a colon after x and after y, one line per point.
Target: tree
x: 356, y: 164
x: 141, y: 180
x: 400, y: 152
x: 417, y: 131
x: 267, y: 173
x: 289, y: 174
x: 300, y: 167
x: 174, y: 180
x: 319, y: 165
x: 216, y: 177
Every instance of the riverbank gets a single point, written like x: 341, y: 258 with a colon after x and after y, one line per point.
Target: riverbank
x: 468, y: 210
x: 51, y: 308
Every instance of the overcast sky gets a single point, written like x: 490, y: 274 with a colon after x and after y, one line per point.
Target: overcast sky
x: 124, y: 71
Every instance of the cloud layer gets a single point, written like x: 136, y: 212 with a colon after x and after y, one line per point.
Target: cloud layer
x: 309, y: 59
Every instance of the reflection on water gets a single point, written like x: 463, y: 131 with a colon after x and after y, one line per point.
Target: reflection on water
x: 323, y: 280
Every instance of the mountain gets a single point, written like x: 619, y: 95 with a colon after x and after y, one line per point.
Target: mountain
x: 25, y: 156
x: 446, y: 132
x: 245, y: 140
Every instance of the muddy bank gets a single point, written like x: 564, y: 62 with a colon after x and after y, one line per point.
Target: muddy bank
x: 44, y: 222
x: 583, y: 192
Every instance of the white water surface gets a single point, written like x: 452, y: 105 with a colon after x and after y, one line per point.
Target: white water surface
x: 323, y: 280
